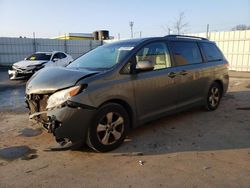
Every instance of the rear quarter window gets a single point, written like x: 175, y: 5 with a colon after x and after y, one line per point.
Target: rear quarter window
x: 62, y: 55
x: 212, y: 53
x: 185, y: 53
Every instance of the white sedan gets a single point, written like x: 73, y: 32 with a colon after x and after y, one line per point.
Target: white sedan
x: 38, y: 60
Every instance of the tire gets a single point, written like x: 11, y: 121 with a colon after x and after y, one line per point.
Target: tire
x: 213, y: 97
x: 109, y: 128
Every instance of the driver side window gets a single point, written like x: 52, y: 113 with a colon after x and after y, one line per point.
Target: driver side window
x: 155, y: 53
x: 55, y: 56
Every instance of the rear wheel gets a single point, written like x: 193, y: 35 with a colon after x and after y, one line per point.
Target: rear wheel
x: 109, y: 128
x: 213, y: 97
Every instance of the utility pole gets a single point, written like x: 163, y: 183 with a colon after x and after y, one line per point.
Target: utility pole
x: 139, y: 33
x: 169, y: 31
x: 131, y: 24
x: 34, y: 41
x: 65, y: 43
x: 207, y: 31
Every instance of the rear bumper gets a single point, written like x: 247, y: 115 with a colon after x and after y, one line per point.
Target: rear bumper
x: 14, y: 74
x: 70, y: 123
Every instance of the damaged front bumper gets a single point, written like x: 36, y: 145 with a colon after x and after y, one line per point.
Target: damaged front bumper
x: 19, y: 74
x: 69, y: 122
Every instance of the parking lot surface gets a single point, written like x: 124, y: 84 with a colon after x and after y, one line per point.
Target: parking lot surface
x: 190, y: 149
x: 11, y: 92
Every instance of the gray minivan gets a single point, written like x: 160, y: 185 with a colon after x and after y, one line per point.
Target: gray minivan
x: 106, y: 92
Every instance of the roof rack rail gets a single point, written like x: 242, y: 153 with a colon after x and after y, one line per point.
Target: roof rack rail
x: 185, y: 36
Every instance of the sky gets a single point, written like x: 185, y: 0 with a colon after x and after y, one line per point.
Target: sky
x: 50, y: 18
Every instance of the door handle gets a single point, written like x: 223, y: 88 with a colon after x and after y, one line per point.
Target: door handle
x: 183, y: 72
x: 171, y: 74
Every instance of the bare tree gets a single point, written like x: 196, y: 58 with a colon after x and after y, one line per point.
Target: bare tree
x: 241, y: 27
x: 180, y: 25
x: 167, y: 29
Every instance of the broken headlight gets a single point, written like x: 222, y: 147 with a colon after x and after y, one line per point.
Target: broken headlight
x: 62, y: 96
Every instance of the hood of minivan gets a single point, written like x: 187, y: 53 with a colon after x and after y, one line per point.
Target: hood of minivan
x: 26, y: 63
x: 50, y: 79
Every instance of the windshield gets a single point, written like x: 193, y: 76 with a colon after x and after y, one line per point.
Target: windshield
x: 39, y: 56
x: 103, y: 57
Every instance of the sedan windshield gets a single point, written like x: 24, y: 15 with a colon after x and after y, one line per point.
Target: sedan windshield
x: 39, y: 57
x: 103, y: 57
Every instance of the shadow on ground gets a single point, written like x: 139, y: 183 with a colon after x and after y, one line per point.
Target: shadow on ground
x: 227, y: 128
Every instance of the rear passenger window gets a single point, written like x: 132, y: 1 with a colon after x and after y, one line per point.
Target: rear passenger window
x: 212, y: 53
x: 62, y: 55
x: 186, y: 53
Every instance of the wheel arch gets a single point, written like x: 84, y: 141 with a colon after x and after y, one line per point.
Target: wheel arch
x: 221, y: 85
x: 126, y: 106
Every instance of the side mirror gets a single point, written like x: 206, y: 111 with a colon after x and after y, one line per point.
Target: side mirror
x: 55, y: 59
x: 144, y: 66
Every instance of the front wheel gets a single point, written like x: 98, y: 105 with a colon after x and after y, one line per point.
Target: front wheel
x: 109, y: 128
x: 213, y: 97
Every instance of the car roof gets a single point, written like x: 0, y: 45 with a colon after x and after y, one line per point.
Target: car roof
x: 167, y: 37
x: 52, y: 52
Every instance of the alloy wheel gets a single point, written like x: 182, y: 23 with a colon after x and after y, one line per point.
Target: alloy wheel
x: 110, y: 128
x: 214, y: 97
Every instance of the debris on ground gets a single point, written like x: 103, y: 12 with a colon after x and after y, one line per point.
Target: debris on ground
x: 206, y: 167
x: 141, y: 162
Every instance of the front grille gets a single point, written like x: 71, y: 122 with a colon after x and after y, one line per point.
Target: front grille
x: 21, y: 70
x: 38, y: 103
x: 42, y: 107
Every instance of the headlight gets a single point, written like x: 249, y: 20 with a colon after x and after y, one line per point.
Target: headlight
x: 14, y: 67
x: 60, y: 97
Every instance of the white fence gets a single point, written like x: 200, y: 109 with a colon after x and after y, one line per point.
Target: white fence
x: 15, y: 49
x: 235, y: 46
